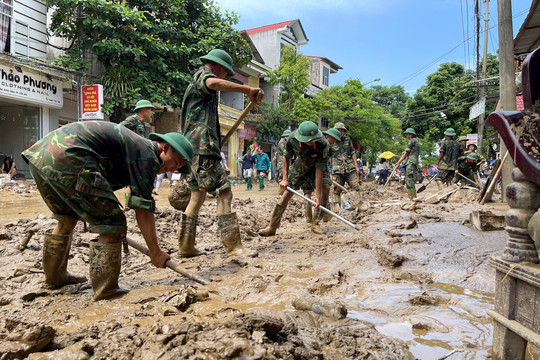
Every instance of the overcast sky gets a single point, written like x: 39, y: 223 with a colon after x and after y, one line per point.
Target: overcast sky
x: 400, y: 41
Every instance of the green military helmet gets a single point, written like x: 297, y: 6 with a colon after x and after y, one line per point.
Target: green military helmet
x: 333, y: 132
x: 177, y: 141
x: 340, y: 125
x: 473, y: 156
x: 463, y: 138
x: 143, y: 104
x: 307, y: 132
x: 450, y: 132
x: 286, y: 133
x: 220, y: 57
x: 410, y: 131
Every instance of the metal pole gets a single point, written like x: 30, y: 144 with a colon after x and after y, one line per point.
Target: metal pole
x: 482, y: 92
x: 323, y: 208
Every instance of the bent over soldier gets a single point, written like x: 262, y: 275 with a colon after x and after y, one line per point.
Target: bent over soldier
x: 77, y: 168
x: 309, y: 171
x: 344, y: 165
x: 200, y: 125
x: 410, y: 160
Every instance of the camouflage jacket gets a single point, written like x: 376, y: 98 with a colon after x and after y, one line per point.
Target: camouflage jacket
x: 451, y: 150
x: 200, y: 120
x: 413, y: 147
x: 468, y: 169
x: 316, y: 156
x: 99, y: 157
x: 135, y: 124
x: 280, y: 151
x: 342, y: 156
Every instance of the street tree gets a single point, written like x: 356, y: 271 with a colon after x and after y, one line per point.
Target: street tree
x: 392, y: 98
x: 292, y: 76
x: 148, y: 48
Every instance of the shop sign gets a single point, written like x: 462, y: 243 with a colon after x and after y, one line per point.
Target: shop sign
x: 30, y: 87
x: 472, y: 139
x: 91, y: 100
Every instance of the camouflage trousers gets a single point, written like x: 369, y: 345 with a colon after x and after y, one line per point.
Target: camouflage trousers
x: 445, y: 175
x: 302, y: 175
x: 279, y: 174
x: 350, y: 178
x: 91, y: 204
x: 208, y: 175
x: 409, y: 176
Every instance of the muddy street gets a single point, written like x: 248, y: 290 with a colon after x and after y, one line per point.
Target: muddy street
x: 415, y: 284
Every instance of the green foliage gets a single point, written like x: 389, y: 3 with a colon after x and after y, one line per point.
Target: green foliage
x: 393, y: 99
x: 276, y: 120
x: 448, y: 91
x: 160, y: 40
x: 368, y: 125
x: 293, y: 77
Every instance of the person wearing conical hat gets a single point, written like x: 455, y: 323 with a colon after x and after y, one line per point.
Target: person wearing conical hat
x: 448, y: 159
x: 135, y: 122
x: 309, y: 171
x: 200, y: 125
x: 410, y: 159
x: 278, y: 157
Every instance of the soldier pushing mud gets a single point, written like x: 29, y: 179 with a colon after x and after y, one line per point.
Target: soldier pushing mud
x: 448, y: 159
x: 309, y: 171
x: 410, y: 159
x: 77, y: 168
x: 200, y: 125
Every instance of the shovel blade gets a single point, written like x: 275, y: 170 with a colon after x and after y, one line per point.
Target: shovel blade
x: 421, y: 188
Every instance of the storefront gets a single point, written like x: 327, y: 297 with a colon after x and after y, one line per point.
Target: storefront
x: 31, y: 105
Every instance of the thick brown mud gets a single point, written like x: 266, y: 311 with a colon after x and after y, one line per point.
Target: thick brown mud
x: 415, y: 284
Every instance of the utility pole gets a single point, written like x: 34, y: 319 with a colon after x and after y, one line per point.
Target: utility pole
x: 508, y: 76
x: 482, y: 90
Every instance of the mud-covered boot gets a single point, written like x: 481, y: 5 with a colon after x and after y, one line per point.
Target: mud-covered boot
x: 325, y: 196
x: 274, y: 221
x: 439, y: 184
x: 337, y: 200
x: 55, y: 259
x: 186, y: 237
x: 315, y: 228
x: 308, y: 212
x: 105, y: 262
x: 230, y: 236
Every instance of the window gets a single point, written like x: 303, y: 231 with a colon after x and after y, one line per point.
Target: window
x: 21, y: 39
x: 324, y: 122
x: 6, y: 12
x: 325, y: 75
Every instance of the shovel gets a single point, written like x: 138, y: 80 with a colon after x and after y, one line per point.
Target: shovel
x: 466, y: 178
x: 170, y: 264
x: 240, y: 119
x: 390, y: 176
x: 423, y: 187
x: 323, y: 208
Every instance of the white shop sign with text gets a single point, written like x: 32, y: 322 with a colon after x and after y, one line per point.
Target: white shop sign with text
x: 30, y: 87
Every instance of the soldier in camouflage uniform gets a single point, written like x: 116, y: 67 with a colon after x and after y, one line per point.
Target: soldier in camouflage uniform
x: 135, y: 123
x: 309, y: 171
x: 468, y: 168
x: 410, y: 160
x: 278, y: 157
x: 448, y: 158
x: 77, y: 168
x: 200, y: 124
x: 344, y: 165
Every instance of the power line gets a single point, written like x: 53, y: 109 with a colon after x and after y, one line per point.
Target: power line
x: 442, y: 107
x: 448, y: 108
x: 417, y: 72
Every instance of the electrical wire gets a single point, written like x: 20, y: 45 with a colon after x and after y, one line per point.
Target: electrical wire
x: 431, y: 112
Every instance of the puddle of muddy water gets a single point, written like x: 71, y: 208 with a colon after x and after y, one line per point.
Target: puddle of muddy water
x: 431, y: 332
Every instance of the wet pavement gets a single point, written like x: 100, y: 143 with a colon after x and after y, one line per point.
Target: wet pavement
x: 416, y: 284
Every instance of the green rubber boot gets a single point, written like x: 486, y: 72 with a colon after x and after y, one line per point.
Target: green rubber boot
x: 55, y: 258
x: 230, y: 236
x: 249, y: 186
x: 186, y: 237
x: 105, y: 263
x: 261, y: 183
